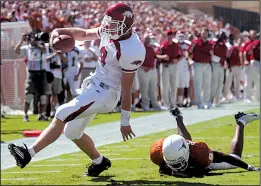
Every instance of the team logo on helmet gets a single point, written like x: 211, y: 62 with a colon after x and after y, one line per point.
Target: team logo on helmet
x: 128, y: 14
x: 136, y: 63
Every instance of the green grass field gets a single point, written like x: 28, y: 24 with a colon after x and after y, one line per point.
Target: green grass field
x: 12, y: 127
x: 131, y: 164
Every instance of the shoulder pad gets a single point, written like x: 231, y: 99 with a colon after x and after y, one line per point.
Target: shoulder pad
x: 175, y: 40
x: 187, y: 42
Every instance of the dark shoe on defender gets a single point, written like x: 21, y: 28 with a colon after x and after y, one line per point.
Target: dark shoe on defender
x: 21, y: 154
x: 95, y: 169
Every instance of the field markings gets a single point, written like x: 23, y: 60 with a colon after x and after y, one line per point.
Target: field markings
x: 119, y: 150
x: 251, y: 155
x: 117, y: 159
x: 222, y: 137
x: 61, y: 159
x: 82, y: 155
x: 18, y: 179
x: 57, y: 165
x: 31, y: 172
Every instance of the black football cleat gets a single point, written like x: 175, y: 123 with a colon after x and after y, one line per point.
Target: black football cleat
x: 21, y: 154
x: 95, y: 169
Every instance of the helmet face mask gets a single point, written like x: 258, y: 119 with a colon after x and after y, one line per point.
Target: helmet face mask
x: 118, y: 21
x: 181, y: 38
x: 176, y: 152
x: 114, y: 28
x: 180, y: 165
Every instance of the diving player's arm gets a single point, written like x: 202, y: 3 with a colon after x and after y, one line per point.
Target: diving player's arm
x: 182, y: 130
x: 126, y: 84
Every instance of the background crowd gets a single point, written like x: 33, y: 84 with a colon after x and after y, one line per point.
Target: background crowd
x: 192, y: 59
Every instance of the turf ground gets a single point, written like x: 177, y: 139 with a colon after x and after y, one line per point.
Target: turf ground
x: 12, y: 127
x: 131, y: 164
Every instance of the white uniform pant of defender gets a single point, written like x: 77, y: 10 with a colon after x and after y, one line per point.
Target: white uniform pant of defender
x: 184, y: 74
x: 236, y: 75
x: 73, y: 84
x: 217, y: 82
x: 253, y: 76
x: 223, y: 165
x: 202, y: 83
x: 79, y: 112
x: 170, y: 79
x: 148, y: 87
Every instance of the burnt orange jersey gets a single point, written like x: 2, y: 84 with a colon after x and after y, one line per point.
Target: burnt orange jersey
x: 200, y: 154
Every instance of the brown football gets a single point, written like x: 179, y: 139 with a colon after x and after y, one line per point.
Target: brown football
x: 63, y: 43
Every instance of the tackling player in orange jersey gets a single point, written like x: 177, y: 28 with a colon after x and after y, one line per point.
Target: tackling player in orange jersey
x: 179, y: 156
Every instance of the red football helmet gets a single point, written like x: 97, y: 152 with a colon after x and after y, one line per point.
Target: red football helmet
x: 118, y: 20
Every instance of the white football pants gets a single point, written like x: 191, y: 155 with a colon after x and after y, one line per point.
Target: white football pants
x: 202, y: 83
x: 217, y: 82
x: 223, y: 165
x: 170, y: 79
x: 80, y: 111
x: 253, y: 76
x: 148, y: 87
x: 236, y: 75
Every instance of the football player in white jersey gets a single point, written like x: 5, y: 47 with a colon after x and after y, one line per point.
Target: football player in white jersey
x: 72, y: 72
x: 122, y: 53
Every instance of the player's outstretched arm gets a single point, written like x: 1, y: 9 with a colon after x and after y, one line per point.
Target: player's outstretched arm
x: 79, y: 34
x: 182, y: 130
x: 126, y: 83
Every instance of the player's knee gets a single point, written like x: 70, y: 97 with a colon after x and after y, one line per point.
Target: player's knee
x: 72, y: 133
x: 29, y: 98
x: 64, y: 111
x: 43, y: 99
x: 61, y: 112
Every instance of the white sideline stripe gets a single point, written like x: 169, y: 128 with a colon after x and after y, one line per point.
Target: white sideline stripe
x: 31, y: 172
x: 115, y: 159
x: 116, y: 154
x: 222, y: 137
x: 60, y: 159
x: 251, y: 155
x: 56, y: 165
x: 18, y: 179
x: 119, y: 150
x: 140, y: 144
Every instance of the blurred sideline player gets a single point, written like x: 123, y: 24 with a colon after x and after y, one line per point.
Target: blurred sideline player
x: 121, y: 54
x: 179, y: 156
x: 72, y: 73
x: 184, y: 71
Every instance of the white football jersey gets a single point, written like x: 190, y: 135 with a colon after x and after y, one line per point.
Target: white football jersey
x: 117, y: 57
x: 185, y: 45
x: 183, y: 64
x: 73, y: 60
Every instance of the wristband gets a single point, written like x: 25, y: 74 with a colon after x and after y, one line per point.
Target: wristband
x: 125, y: 118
